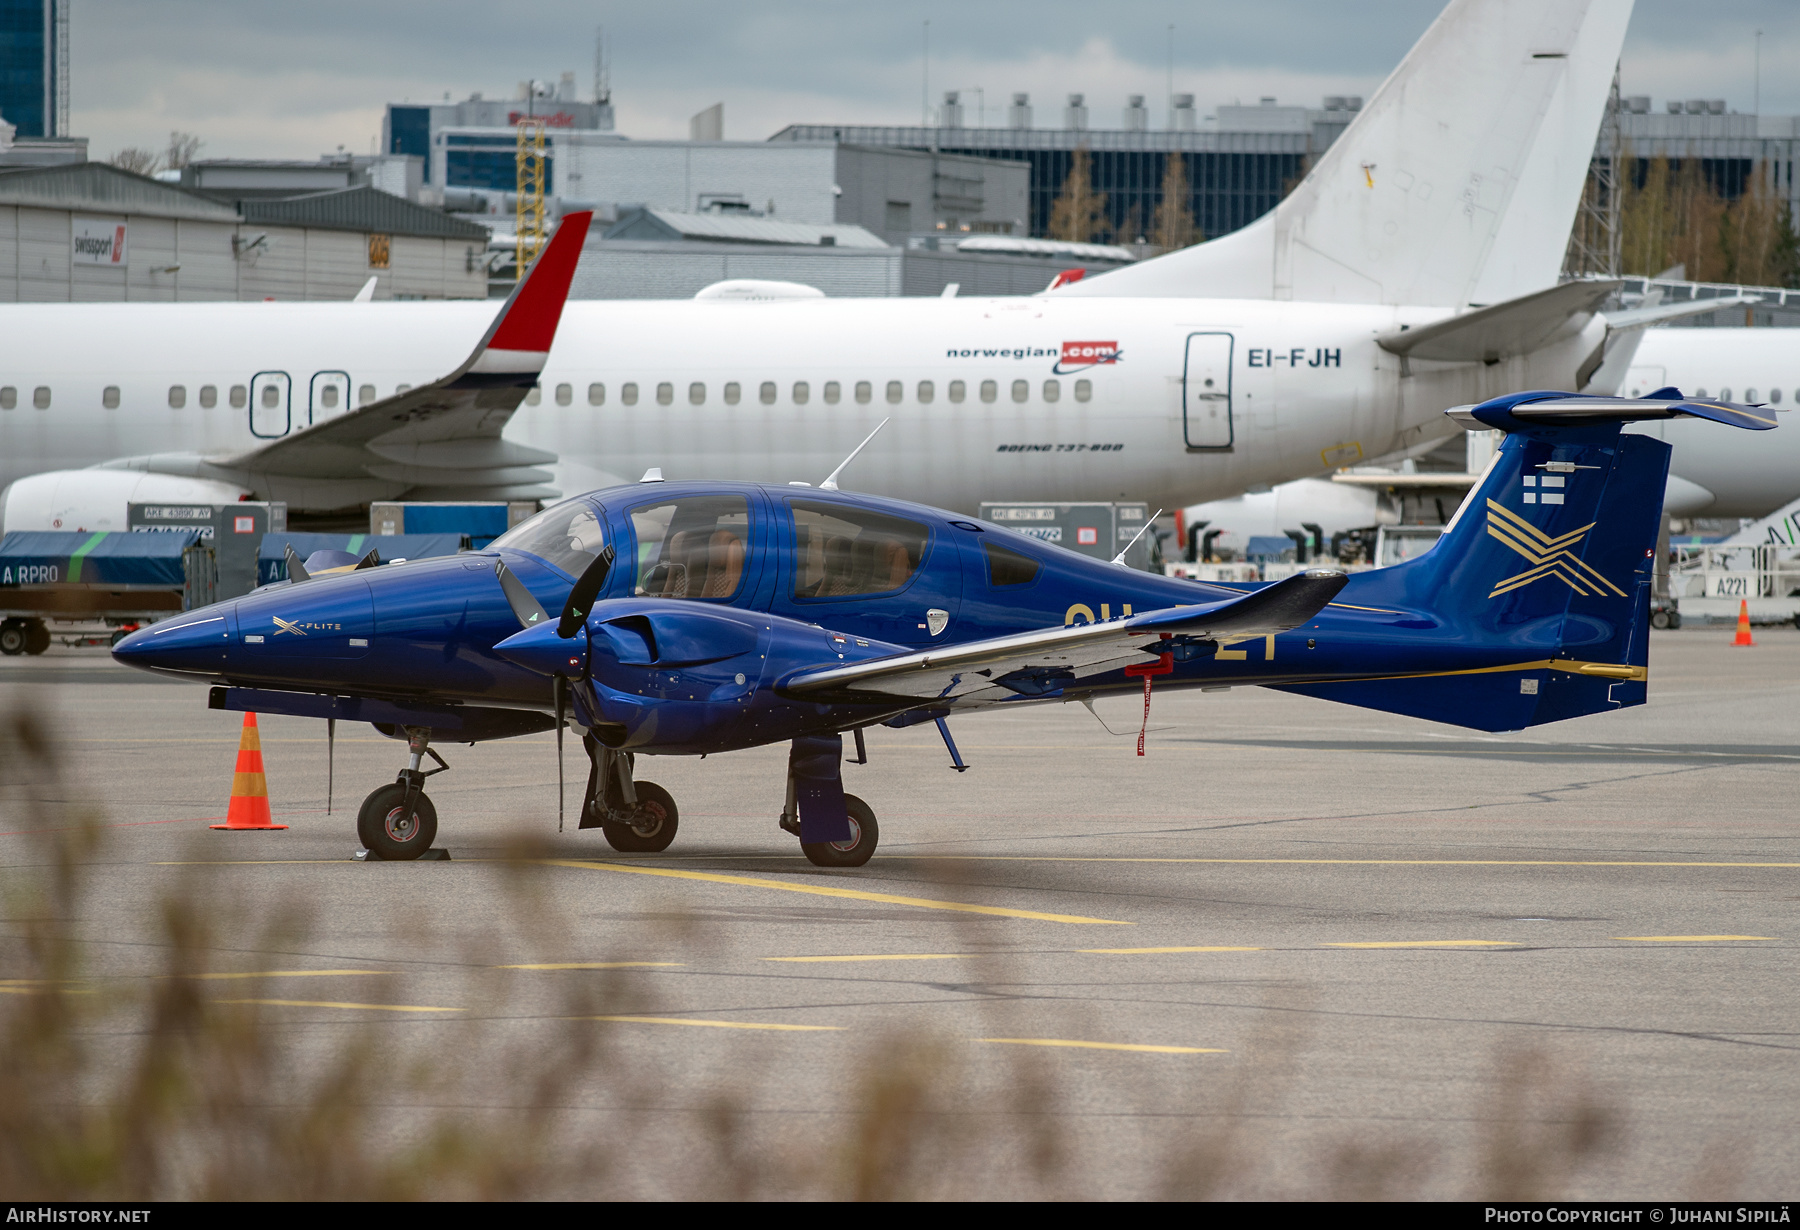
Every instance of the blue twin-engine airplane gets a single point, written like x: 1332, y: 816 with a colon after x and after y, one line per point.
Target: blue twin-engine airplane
x: 698, y: 618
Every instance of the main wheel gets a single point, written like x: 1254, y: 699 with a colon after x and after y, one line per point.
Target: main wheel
x: 1659, y: 620
x: 864, y: 833
x: 390, y: 836
x: 651, y: 829
x: 12, y: 637
x: 37, y: 636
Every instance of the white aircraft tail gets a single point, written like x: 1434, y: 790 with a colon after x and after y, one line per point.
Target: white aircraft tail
x: 1456, y: 185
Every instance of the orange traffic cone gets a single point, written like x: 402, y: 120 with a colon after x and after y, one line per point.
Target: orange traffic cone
x: 1743, y: 635
x: 249, y: 789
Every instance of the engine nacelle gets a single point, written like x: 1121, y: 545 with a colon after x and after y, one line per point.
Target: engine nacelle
x: 95, y: 500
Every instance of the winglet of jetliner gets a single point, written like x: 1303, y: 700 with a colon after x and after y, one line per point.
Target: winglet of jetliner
x: 439, y: 440
x: 519, y: 339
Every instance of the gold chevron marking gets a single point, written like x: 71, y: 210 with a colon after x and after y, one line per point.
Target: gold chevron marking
x: 284, y: 626
x: 1548, y: 557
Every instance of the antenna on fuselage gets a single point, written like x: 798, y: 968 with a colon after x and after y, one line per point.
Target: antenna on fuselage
x: 1119, y: 559
x: 830, y: 484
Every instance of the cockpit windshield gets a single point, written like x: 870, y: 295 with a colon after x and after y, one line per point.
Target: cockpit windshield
x: 568, y: 535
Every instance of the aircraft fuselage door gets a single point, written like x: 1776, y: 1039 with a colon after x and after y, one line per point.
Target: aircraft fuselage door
x: 329, y: 396
x: 271, y: 401
x: 1206, y: 391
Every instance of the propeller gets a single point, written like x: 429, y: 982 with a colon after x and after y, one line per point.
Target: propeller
x: 531, y: 614
x: 581, y: 598
x: 295, y: 569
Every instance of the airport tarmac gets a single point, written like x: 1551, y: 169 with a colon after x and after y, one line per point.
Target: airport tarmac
x: 1298, y: 949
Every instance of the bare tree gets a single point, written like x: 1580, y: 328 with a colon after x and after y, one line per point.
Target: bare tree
x: 1174, y: 225
x: 182, y: 148
x: 1078, y: 213
x: 137, y: 160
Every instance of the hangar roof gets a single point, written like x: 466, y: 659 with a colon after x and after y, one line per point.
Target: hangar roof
x: 99, y: 186
x: 360, y: 209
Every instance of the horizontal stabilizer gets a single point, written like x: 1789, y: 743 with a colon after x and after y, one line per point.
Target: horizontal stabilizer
x: 1503, y: 330
x: 1522, y: 411
x: 1043, y: 662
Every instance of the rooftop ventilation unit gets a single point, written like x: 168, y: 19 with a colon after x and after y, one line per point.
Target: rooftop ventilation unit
x: 1019, y: 114
x: 1137, y: 119
x: 1075, y: 115
x: 1184, y: 113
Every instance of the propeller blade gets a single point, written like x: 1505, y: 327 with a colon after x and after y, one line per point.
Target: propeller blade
x: 295, y: 569
x: 372, y: 559
x: 528, y: 610
x: 562, y: 700
x: 581, y: 598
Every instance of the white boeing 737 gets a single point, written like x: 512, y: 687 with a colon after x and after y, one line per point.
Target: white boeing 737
x: 1414, y: 268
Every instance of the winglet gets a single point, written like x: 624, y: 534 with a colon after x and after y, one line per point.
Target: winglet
x: 518, y: 341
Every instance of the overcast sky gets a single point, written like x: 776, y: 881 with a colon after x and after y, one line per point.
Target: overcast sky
x: 294, y: 79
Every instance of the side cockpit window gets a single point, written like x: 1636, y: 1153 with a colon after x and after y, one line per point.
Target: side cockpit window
x: 568, y: 535
x: 691, y: 548
x: 1007, y: 566
x: 842, y: 552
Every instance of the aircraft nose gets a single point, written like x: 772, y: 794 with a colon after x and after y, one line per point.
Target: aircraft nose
x: 194, y: 642
x: 540, y: 649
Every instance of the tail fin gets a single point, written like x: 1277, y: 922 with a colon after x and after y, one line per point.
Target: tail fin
x: 1456, y: 185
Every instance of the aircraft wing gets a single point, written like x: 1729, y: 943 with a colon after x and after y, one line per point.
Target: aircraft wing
x: 1052, y: 660
x: 443, y: 436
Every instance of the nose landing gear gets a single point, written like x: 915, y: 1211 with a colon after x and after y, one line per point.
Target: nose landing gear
x: 397, y: 822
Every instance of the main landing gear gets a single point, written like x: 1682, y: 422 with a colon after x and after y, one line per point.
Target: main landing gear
x: 635, y: 817
x: 397, y: 822
x: 835, y: 829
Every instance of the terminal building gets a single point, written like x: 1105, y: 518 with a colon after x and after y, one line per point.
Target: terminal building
x: 34, y: 67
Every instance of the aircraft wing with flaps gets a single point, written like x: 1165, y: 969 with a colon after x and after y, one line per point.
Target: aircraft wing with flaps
x: 442, y: 439
x: 1047, y: 662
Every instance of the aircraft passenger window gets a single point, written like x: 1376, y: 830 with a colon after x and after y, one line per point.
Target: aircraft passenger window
x: 536, y: 396
x: 532, y: 398
x: 568, y: 535
x: 733, y: 393
x: 1725, y: 393
x: 328, y: 396
x: 958, y: 390
x: 1007, y: 566
x: 1774, y: 397
x: 665, y: 394
x: 1052, y: 390
x: 926, y: 392
x: 989, y: 390
x: 628, y: 394
x: 895, y: 391
x: 801, y: 392
x: 109, y: 397
x: 177, y: 396
x: 364, y: 395
x: 692, y: 548
x: 1021, y: 390
x: 9, y: 397
x: 596, y: 395
x: 1084, y: 390
x: 1749, y: 396
x: 40, y: 397
x: 209, y: 396
x: 864, y: 392
x: 696, y: 394
x: 564, y: 395
x: 271, y: 396
x: 833, y: 392
x: 842, y: 551
x: 767, y: 393
x: 1699, y: 392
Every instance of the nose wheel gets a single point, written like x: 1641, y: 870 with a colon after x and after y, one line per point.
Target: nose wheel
x: 391, y: 830
x: 646, y: 829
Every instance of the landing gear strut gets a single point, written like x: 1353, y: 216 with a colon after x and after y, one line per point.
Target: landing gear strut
x: 635, y: 817
x: 835, y: 829
x: 397, y: 822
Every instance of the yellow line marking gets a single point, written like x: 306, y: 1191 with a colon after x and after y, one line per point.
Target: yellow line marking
x: 291, y: 973
x: 1338, y: 862
x: 251, y: 862
x: 598, y: 965
x: 1128, y: 951
x: 326, y: 1003
x: 1689, y: 939
x: 1427, y: 944
x: 820, y: 890
x: 682, y: 1020
x: 894, y: 956
x: 1111, y: 1046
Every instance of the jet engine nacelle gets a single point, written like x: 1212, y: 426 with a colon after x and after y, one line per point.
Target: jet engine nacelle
x: 95, y: 500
